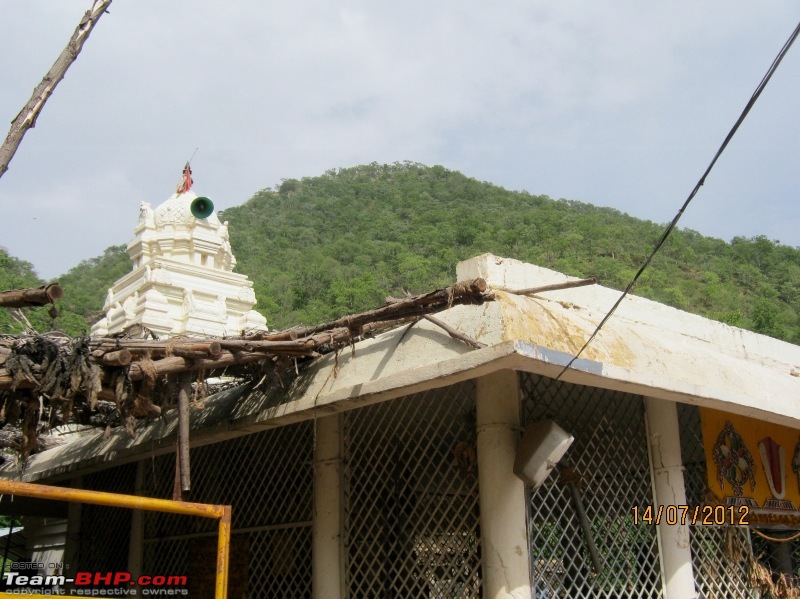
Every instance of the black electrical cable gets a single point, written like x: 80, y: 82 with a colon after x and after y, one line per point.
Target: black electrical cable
x: 773, y: 67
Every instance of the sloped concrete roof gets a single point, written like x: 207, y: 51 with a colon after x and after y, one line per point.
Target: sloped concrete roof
x: 645, y: 348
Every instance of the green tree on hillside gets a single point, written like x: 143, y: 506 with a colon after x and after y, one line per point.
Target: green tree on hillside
x: 319, y: 247
x: 18, y: 274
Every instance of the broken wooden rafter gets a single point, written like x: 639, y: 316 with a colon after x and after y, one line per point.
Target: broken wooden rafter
x: 553, y: 287
x: 463, y: 292
x: 137, y: 374
x: 455, y: 334
x: 163, y: 358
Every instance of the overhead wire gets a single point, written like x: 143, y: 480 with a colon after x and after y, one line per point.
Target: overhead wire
x: 671, y: 226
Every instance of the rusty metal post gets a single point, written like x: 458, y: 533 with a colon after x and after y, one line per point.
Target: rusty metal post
x: 183, y: 431
x: 217, y: 512
x: 223, y: 553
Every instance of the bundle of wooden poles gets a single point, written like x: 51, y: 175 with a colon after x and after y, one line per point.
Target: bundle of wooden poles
x: 177, y: 355
x: 71, y: 378
x: 56, y: 374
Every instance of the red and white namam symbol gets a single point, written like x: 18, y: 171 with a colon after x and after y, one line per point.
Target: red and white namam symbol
x: 773, y: 458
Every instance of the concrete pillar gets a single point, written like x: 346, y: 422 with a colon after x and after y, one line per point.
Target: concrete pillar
x: 136, y: 545
x: 504, y: 526
x: 327, y: 563
x: 667, y: 468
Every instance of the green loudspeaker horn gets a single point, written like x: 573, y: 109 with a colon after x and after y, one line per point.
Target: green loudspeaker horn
x: 202, y: 207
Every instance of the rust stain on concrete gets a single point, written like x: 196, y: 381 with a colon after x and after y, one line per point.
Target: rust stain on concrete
x: 564, y: 328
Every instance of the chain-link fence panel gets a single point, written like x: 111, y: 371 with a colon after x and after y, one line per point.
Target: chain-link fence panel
x: 105, y: 531
x: 720, y: 554
x: 267, y: 478
x: 411, y: 497
x: 610, y: 459
x: 284, y: 558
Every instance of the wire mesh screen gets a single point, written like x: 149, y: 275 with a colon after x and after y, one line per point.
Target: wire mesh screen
x: 610, y: 456
x: 782, y: 558
x: 285, y: 556
x: 411, y: 497
x: 719, y: 553
x: 105, y: 531
x: 267, y: 478
x: 165, y: 557
x: 692, y: 454
x: 795, y: 560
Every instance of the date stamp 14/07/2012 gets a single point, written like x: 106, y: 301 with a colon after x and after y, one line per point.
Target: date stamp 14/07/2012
x: 705, y: 515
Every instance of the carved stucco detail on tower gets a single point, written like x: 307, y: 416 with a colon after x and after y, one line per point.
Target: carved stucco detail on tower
x: 171, y: 214
x: 189, y: 303
x: 129, y: 305
x: 246, y: 294
x: 159, y: 275
x: 146, y: 216
x: 222, y: 307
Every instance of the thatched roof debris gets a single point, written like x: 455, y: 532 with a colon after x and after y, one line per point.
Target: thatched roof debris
x: 52, y: 379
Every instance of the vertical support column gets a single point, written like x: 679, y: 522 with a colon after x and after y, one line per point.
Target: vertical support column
x: 136, y: 546
x: 327, y: 563
x: 667, y: 468
x: 504, y: 527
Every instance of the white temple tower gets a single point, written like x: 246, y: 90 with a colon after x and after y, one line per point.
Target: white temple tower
x: 182, y: 281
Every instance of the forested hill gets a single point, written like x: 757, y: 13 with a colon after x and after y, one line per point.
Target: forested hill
x: 325, y: 246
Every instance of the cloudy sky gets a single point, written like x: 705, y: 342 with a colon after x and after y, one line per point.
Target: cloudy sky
x: 615, y: 103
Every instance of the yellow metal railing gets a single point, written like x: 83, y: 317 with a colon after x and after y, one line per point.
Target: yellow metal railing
x: 217, y: 512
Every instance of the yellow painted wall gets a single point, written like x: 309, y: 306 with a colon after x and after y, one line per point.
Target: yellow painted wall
x: 752, y: 432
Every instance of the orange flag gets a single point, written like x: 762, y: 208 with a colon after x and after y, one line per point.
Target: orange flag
x: 186, y: 180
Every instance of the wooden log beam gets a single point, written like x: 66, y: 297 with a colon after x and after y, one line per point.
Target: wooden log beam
x: 301, y: 344
x: 240, y: 352
x: 176, y: 364
x: 189, y: 349
x: 31, y: 297
x: 120, y: 357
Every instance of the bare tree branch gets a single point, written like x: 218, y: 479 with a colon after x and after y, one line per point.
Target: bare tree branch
x: 26, y: 119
